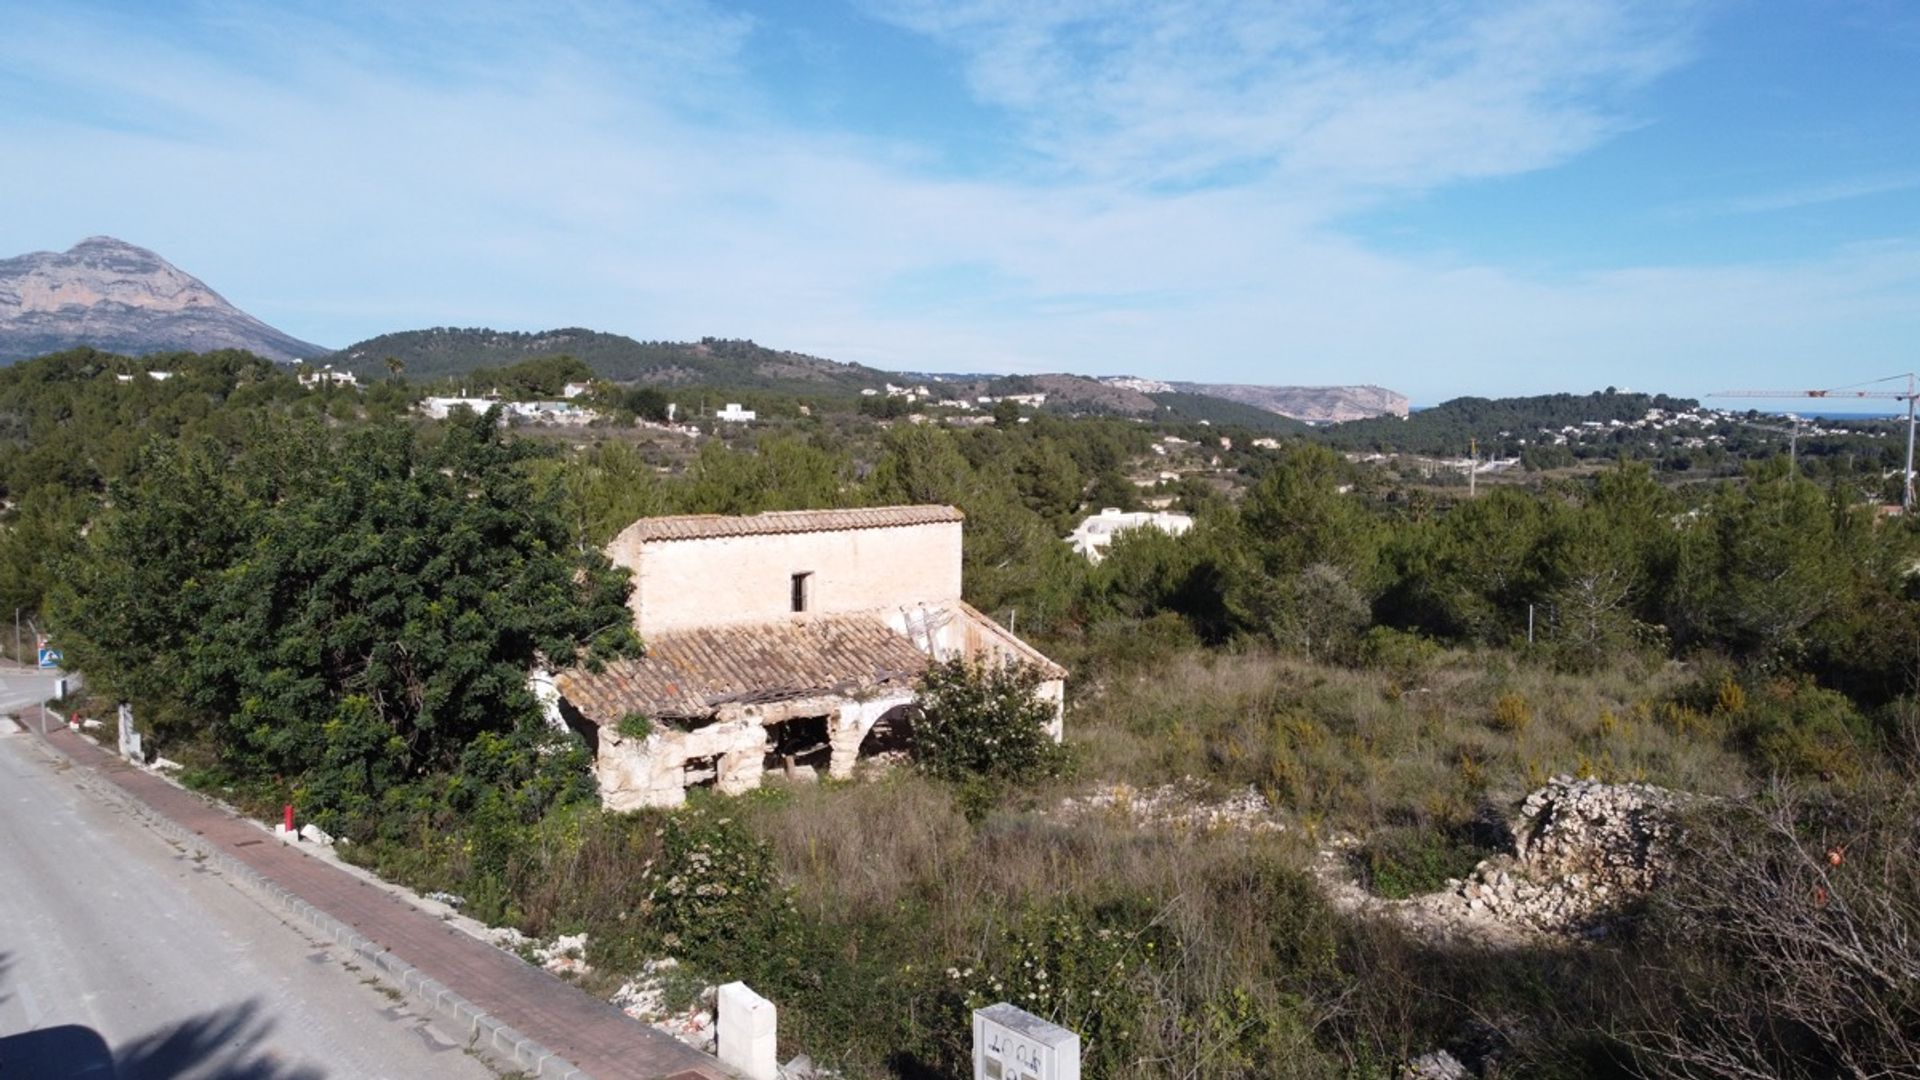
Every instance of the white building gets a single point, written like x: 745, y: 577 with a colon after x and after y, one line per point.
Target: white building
x: 1096, y: 533
x: 574, y: 389
x: 782, y: 641
x: 550, y: 412
x: 327, y: 376
x: 734, y: 414
x: 438, y: 408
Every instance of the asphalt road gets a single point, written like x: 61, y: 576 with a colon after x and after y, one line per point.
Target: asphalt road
x: 122, y: 958
x: 21, y: 688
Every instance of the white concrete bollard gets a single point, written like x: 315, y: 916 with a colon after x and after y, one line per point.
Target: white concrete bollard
x: 748, y: 1037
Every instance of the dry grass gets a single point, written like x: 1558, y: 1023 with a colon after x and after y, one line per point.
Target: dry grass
x: 860, y: 848
x: 1352, y: 749
x: 898, y: 852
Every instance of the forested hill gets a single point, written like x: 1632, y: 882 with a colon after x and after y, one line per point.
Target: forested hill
x: 744, y: 365
x: 445, y: 351
x: 1220, y: 412
x: 1498, y: 424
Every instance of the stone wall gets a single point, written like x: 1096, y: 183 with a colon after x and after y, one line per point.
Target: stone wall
x: 728, y: 580
x: 1582, y: 850
x: 654, y: 771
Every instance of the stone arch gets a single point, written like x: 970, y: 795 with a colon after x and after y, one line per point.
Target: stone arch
x: 891, y: 734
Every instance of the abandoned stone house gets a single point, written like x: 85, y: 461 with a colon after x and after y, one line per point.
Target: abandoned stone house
x: 781, y: 641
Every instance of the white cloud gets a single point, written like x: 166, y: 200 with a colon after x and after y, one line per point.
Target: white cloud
x: 622, y: 170
x: 1819, y: 194
x: 1319, y: 93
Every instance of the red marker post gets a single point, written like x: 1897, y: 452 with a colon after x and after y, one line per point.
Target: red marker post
x: 289, y: 817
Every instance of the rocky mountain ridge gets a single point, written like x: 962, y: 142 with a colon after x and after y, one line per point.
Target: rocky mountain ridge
x: 117, y: 297
x: 1313, y: 404
x: 121, y: 298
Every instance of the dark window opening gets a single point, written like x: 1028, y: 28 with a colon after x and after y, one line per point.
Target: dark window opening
x: 578, y: 723
x: 701, y: 771
x: 802, y: 587
x: 799, y: 743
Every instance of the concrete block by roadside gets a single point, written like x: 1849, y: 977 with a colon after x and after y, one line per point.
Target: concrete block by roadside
x: 748, y: 1032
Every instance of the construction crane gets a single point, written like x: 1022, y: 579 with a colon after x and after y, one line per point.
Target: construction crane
x: 1853, y: 392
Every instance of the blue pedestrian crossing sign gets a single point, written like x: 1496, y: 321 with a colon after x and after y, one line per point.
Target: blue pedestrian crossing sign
x: 49, y: 656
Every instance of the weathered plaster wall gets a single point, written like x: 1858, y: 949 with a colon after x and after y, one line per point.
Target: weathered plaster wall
x: 748, y: 579
x: 954, y: 635
x: 1054, y: 693
x: 633, y: 773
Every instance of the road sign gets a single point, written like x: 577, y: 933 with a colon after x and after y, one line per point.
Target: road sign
x: 49, y: 658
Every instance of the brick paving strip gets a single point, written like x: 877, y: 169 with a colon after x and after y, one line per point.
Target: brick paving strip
x: 547, y: 1026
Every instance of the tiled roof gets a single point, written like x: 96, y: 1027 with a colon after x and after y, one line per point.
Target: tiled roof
x: 705, y: 526
x: 689, y: 673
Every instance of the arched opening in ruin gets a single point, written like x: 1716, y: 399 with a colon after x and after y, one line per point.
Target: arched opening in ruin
x: 891, y: 737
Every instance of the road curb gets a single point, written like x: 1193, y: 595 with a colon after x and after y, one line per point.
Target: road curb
x: 480, y: 1028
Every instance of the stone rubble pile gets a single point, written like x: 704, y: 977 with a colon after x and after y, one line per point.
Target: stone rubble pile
x: 1437, y: 1065
x: 1181, y: 805
x: 644, y: 997
x: 509, y: 939
x: 1582, y: 849
x: 564, y: 955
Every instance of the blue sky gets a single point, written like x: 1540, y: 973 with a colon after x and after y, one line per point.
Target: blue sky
x: 1463, y: 197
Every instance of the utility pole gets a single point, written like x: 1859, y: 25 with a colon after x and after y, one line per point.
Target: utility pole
x: 1906, y: 499
x: 1473, y: 465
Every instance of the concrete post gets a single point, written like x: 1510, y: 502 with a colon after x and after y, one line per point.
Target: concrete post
x: 748, y: 1040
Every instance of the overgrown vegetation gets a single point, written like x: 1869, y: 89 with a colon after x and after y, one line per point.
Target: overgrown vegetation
x: 308, y: 597
x: 985, y: 725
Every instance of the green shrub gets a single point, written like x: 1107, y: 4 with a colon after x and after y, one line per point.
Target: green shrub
x: 981, y: 722
x: 1084, y: 969
x: 1512, y: 713
x: 1399, y: 862
x: 1403, y: 655
x: 634, y: 726
x: 1794, y: 728
x: 713, y: 898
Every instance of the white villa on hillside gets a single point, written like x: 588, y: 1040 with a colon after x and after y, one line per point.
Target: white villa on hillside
x: 1096, y: 533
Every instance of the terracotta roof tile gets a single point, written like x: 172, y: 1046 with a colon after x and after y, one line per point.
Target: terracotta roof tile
x: 706, y: 526
x: 689, y: 673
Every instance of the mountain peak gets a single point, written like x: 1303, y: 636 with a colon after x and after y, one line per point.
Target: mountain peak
x: 109, y: 242
x: 120, y: 297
